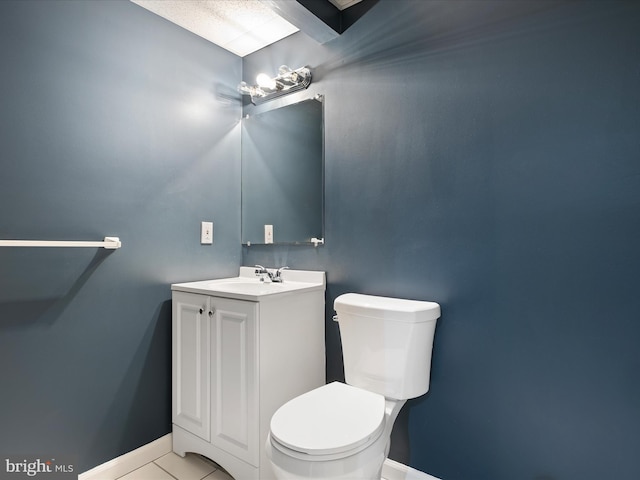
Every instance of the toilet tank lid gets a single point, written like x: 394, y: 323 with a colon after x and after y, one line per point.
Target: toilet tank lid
x: 387, y: 308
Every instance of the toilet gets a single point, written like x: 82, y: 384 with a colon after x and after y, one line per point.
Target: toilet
x: 343, y: 430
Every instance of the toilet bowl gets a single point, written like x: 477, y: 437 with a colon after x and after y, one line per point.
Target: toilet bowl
x: 346, y: 436
x: 342, y: 430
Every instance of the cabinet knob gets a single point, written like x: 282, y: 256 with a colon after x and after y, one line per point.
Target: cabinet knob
x: 211, y: 313
x: 201, y: 310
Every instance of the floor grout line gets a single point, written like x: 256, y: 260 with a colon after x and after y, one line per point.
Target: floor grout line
x: 164, y: 470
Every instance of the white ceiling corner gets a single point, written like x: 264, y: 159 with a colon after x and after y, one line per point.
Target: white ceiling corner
x: 240, y: 26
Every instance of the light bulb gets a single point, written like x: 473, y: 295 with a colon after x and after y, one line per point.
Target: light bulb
x: 284, y: 70
x: 265, y: 81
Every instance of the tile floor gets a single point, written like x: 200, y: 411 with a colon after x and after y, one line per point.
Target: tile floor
x: 174, y: 467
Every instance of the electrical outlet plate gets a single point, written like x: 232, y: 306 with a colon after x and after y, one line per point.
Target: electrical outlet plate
x: 206, y: 233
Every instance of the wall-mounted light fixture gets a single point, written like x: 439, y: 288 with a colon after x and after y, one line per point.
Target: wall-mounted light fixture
x: 287, y: 81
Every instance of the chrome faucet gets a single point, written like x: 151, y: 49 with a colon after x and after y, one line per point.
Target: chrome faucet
x: 278, y: 276
x: 263, y: 273
x: 269, y: 276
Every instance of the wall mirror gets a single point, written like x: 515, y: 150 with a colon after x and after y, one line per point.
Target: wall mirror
x: 283, y: 174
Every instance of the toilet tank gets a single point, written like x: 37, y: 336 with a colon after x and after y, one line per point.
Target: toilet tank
x: 387, y: 343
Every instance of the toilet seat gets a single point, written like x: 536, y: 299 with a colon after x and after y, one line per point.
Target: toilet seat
x: 333, y: 421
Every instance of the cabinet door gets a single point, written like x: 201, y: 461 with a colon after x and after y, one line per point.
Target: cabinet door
x: 234, y: 386
x: 191, y: 401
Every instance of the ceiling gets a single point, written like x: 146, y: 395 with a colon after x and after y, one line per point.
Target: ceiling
x: 240, y: 26
x: 342, y: 4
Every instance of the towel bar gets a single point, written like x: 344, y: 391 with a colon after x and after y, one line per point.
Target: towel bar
x: 109, y: 242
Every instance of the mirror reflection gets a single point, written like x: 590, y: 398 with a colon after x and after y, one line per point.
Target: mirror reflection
x: 282, y: 175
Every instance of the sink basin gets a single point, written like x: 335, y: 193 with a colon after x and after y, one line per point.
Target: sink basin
x: 247, y: 286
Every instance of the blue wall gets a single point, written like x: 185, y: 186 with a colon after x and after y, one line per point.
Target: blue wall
x: 112, y: 122
x: 486, y: 155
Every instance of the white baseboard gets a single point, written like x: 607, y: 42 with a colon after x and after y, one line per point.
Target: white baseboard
x: 113, y: 469
x: 392, y: 470
x: 129, y: 461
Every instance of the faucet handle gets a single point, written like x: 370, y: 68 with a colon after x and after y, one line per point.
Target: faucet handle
x: 264, y: 274
x: 277, y: 277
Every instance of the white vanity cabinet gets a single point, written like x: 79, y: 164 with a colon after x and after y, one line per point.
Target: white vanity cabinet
x: 215, y: 358
x: 241, y: 349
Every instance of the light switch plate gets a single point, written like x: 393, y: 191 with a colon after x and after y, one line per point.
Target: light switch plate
x: 268, y: 234
x: 206, y: 233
